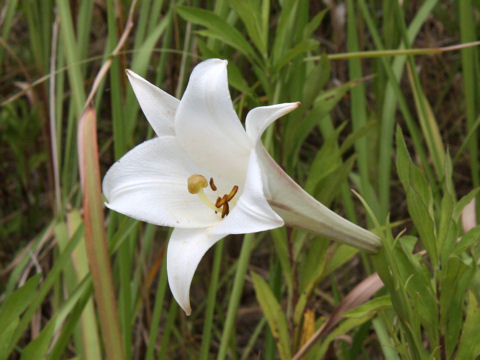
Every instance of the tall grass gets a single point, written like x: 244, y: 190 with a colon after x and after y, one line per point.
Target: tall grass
x: 385, y: 109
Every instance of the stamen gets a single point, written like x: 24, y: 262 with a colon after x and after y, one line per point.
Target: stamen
x: 232, y: 193
x: 220, y: 201
x: 225, y: 210
x: 212, y: 185
x: 196, y: 184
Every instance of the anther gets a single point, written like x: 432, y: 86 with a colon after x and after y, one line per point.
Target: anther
x: 232, y: 193
x: 221, y: 201
x: 212, y: 185
x: 225, y: 210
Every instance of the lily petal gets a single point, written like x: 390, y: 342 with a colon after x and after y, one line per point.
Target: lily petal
x: 149, y: 183
x: 185, y: 250
x: 158, y: 106
x: 252, y: 213
x: 259, y: 118
x: 206, y: 124
x: 299, y: 209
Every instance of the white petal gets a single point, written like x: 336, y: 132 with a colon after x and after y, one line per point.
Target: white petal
x: 299, y: 209
x: 259, y: 118
x: 149, y: 183
x: 185, y: 250
x: 158, y: 106
x: 251, y: 213
x: 206, y: 124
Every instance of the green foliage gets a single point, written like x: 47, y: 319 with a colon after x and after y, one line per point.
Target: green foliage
x: 342, y: 137
x: 274, y: 315
x: 429, y: 292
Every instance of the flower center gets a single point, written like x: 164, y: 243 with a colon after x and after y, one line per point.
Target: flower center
x: 196, y: 184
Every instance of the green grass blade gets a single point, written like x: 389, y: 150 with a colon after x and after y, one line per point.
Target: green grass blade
x: 211, y: 302
x: 359, y: 111
x: 157, y: 312
x: 220, y: 28
x: 470, y: 72
x: 238, y: 282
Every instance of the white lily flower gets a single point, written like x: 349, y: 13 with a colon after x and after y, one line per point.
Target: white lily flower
x: 208, y: 177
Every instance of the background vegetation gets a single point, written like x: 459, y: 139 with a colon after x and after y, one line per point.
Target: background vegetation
x: 401, y: 130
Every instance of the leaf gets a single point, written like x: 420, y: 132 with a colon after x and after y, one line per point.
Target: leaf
x: 315, y: 81
x: 419, y: 197
x: 447, y: 229
x: 283, y: 35
x: 469, y: 347
x: 370, y: 308
x: 314, y: 23
x: 6, y: 337
x: 38, y: 348
x: 280, y: 243
x: 460, y: 205
x: 299, y: 49
x: 428, y: 122
x: 218, y: 27
x: 326, y: 161
x: 16, y: 303
x: 274, y: 314
x: 249, y: 15
x: 454, y: 282
x: 342, y: 329
x: 467, y: 240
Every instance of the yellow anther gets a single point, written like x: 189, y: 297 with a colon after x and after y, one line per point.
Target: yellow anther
x: 196, y: 183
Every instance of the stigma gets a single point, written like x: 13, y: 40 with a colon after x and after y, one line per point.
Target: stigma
x: 196, y: 185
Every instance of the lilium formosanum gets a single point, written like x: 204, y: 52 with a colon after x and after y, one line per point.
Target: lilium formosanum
x: 207, y: 176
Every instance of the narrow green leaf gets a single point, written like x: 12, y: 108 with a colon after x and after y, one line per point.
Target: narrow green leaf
x: 314, y: 23
x: 301, y: 48
x: 469, y: 347
x: 17, y: 302
x: 6, y: 337
x: 370, y: 308
x: 274, y: 314
x: 454, y: 282
x: 249, y: 13
x: 62, y: 260
x: 460, y: 205
x: 281, y: 247
x: 428, y: 123
x: 37, y: 348
x: 222, y: 30
x: 284, y: 30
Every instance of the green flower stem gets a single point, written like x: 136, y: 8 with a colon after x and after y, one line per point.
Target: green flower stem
x: 235, y: 295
